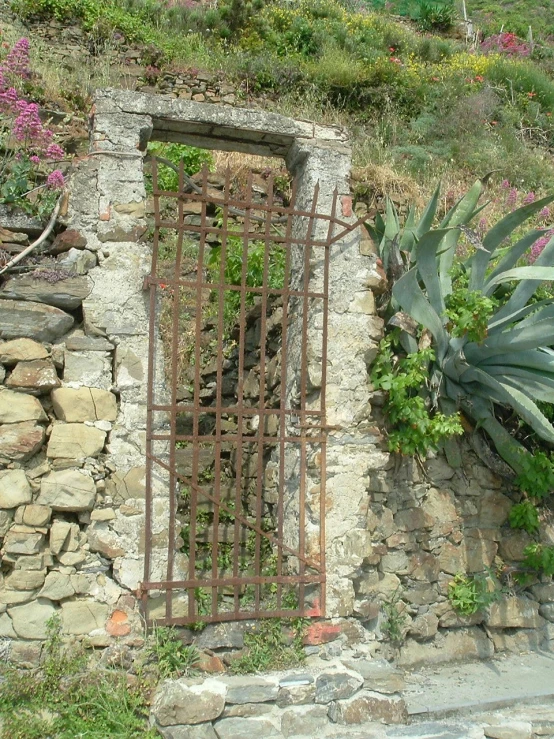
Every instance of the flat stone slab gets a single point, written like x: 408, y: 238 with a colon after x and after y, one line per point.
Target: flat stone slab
x: 500, y: 681
x: 20, y: 318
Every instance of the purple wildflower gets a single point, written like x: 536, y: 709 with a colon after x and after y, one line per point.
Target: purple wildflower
x: 34, y: 159
x: 9, y: 100
x: 482, y: 226
x: 545, y: 213
x: 55, y: 180
x: 505, y: 184
x: 538, y: 246
x: 511, y: 200
x: 55, y: 152
x: 17, y: 61
x: 529, y: 198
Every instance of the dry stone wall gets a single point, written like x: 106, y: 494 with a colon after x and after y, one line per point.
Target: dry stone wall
x: 73, y: 369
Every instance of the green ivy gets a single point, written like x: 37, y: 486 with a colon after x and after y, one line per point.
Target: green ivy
x: 415, y: 427
x: 468, y: 312
x: 524, y: 516
x: 537, y: 476
x: 540, y: 557
x: 470, y: 593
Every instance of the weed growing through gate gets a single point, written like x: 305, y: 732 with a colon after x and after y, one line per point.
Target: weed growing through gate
x: 171, y: 657
x: 276, y: 644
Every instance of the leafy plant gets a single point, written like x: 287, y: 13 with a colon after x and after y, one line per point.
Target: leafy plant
x: 536, y: 477
x: 540, y: 557
x: 524, y: 516
x: 246, y: 265
x: 275, y: 644
x: 192, y: 157
x: 394, y: 621
x: 416, y: 427
x: 62, y: 698
x: 470, y: 593
x: 436, y: 15
x: 172, y: 657
x: 513, y: 361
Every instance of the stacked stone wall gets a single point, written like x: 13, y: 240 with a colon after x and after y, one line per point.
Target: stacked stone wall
x: 73, y: 372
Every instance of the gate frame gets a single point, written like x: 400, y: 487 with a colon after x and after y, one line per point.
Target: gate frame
x: 300, y: 227
x: 108, y: 206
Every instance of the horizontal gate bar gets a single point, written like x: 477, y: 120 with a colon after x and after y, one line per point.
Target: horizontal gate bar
x: 267, y: 535
x: 217, y: 582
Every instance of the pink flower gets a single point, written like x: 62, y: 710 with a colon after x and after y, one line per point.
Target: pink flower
x: 9, y: 100
x: 545, y: 213
x: 538, y: 246
x: 55, y: 180
x: 55, y: 152
x: 505, y: 184
x: 17, y: 61
x: 34, y: 159
x: 529, y: 198
x: 511, y: 200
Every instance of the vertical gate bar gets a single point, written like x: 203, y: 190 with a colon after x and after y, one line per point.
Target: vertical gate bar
x: 323, y: 407
x: 219, y: 378
x: 283, y: 394
x: 240, y: 386
x: 173, y: 482
x: 196, y: 394
x: 303, y: 394
x: 150, y: 388
x: 262, y: 417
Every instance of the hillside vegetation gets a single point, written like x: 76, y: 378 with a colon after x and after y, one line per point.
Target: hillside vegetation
x: 425, y: 104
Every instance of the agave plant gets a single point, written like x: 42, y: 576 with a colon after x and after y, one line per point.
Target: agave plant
x: 513, y: 364
x: 393, y: 241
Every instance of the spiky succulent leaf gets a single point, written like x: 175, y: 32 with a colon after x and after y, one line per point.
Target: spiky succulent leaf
x: 496, y: 236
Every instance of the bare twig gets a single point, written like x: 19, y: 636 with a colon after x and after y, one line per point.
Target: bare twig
x: 44, y: 235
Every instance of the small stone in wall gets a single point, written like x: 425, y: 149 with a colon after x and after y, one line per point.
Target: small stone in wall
x: 14, y: 489
x: 21, y: 350
x: 38, y: 376
x: 67, y: 490
x: 75, y: 441
x: 250, y: 689
x: 20, y: 441
x: 18, y: 407
x: 80, y: 617
x: 66, y: 293
x: 514, y: 612
x: 30, y: 620
x: 336, y: 684
x: 369, y: 706
x: 22, y: 543
x: 77, y: 405
x: 33, y: 320
x: 180, y: 702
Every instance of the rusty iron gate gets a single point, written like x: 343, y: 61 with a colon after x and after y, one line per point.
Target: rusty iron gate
x: 235, y: 449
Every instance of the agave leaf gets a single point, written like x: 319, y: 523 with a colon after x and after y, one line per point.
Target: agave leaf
x: 428, y: 215
x: 427, y: 266
x: 518, y: 339
x: 408, y: 238
x: 531, y: 272
x: 523, y: 373
x: 539, y: 311
x: 517, y: 400
x: 513, y: 255
x: 532, y: 359
x: 526, y: 288
x: 459, y: 215
x: 411, y: 299
x: 494, y: 238
x: 463, y: 211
